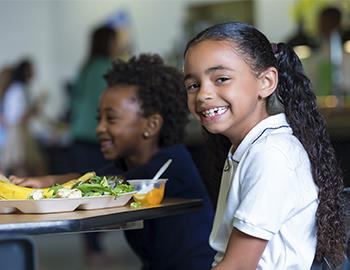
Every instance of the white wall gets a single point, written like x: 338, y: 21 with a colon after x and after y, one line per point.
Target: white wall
x: 25, y: 30
x: 55, y: 33
x: 273, y: 18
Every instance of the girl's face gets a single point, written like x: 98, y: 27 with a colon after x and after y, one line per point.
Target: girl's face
x: 120, y: 123
x: 222, y: 90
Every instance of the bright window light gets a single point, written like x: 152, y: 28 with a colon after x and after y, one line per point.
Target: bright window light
x: 302, y: 51
x: 346, y: 46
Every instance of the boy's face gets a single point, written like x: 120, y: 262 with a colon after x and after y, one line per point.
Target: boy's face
x: 121, y: 125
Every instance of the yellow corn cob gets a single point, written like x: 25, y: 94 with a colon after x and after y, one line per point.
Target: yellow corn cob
x: 9, y: 191
x: 82, y: 179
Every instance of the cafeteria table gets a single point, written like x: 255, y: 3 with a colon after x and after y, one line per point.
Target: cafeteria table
x: 92, y: 220
x: 15, y: 227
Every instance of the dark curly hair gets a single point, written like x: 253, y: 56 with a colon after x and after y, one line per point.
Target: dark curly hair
x: 295, y: 97
x: 23, y: 71
x: 160, y: 90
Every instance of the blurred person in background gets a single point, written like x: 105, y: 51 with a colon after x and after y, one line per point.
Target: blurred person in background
x: 330, y: 40
x: 85, y: 96
x: 5, y: 80
x: 86, y: 92
x: 21, y: 153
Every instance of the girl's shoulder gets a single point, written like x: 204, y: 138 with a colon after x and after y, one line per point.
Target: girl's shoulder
x: 177, y: 151
x: 280, y: 145
x: 281, y: 140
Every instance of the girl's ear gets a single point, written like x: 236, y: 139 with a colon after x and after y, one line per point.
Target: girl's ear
x: 154, y: 123
x: 268, y: 80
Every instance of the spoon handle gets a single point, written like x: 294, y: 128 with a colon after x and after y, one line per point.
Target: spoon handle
x: 162, y: 169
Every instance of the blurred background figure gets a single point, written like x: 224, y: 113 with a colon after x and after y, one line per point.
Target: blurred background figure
x: 86, y: 92
x: 320, y: 42
x: 5, y: 80
x: 330, y: 76
x: 120, y: 21
x: 21, y: 153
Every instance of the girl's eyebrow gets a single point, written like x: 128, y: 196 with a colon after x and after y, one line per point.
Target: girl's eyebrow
x: 215, y: 68
x: 188, y: 76
x: 209, y: 70
x: 109, y: 109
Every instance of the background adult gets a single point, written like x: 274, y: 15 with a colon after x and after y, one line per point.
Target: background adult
x: 21, y: 153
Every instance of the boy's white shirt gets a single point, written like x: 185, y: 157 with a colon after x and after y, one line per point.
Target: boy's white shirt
x: 267, y: 191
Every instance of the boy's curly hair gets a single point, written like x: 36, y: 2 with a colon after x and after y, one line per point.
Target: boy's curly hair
x: 160, y: 90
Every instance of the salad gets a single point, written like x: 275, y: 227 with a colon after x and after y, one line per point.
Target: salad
x: 95, y: 186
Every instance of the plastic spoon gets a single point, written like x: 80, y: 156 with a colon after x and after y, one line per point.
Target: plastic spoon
x: 162, y: 169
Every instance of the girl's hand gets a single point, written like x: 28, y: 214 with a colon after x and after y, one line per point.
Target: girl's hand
x: 33, y: 182
x: 243, y: 252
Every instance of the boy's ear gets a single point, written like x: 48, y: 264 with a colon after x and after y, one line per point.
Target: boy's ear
x: 268, y: 80
x: 153, y: 125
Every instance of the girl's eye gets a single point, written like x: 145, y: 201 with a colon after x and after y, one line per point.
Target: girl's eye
x: 112, y: 119
x: 192, y: 87
x: 222, y: 80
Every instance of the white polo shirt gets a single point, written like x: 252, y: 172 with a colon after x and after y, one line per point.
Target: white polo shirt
x: 267, y: 191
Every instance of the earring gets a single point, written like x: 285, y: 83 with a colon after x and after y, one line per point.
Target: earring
x: 260, y: 97
x: 145, y: 134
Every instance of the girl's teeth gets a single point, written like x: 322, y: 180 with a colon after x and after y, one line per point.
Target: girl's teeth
x: 214, y: 111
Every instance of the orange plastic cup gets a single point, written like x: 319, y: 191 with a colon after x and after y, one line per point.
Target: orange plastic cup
x: 149, y: 192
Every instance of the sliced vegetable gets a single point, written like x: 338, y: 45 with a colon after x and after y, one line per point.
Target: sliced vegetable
x: 103, y: 185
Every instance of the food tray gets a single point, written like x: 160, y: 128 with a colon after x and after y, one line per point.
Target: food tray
x: 63, y: 204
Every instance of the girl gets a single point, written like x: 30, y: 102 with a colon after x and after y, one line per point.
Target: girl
x: 141, y: 121
x: 280, y: 199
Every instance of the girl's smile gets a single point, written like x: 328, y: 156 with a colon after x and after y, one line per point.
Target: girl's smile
x: 106, y: 145
x: 213, y: 113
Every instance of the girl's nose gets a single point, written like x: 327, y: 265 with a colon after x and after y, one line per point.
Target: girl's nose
x: 205, y: 93
x: 100, y: 128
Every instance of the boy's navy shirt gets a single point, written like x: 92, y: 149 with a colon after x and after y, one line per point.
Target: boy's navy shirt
x: 175, y: 242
